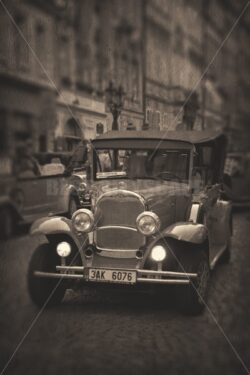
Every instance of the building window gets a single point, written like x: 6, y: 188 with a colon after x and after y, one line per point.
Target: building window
x: 3, y: 132
x: 135, y: 80
x: 179, y: 41
x: 22, y: 129
x: 84, y: 67
x: 156, y: 120
x: 99, y: 128
x: 79, y: 63
x: 196, y: 57
x: 40, y: 43
x: 123, y: 72
x: 4, y: 32
x: 153, y: 118
x: 72, y: 134
x: 165, y: 120
x: 149, y: 113
x: 21, y: 49
x: 65, y: 59
x: 43, y: 143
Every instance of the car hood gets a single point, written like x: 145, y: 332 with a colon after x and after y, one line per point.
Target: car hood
x: 161, y: 197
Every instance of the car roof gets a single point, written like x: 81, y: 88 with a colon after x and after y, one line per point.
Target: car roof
x: 193, y: 137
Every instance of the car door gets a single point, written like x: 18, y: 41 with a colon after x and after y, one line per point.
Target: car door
x: 30, y: 192
x: 218, y: 221
x: 53, y: 188
x: 57, y: 194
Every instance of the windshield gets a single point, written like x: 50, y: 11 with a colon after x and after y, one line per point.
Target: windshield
x: 142, y: 164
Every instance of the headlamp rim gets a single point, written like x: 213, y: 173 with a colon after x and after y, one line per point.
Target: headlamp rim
x: 154, y: 216
x: 87, y: 212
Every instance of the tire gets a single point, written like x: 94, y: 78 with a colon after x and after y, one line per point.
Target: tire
x: 192, y: 298
x: 6, y: 223
x: 44, y: 292
x: 73, y: 206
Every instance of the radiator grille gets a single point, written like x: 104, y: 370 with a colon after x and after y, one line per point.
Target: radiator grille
x: 118, y: 211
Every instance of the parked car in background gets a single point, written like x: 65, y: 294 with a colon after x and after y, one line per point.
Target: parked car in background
x: 50, y: 189
x: 158, y: 218
x: 237, y: 175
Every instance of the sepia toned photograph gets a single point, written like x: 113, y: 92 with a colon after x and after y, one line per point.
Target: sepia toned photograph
x: 124, y: 187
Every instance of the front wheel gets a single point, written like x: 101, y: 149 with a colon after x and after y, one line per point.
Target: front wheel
x: 192, y: 298
x: 44, y: 291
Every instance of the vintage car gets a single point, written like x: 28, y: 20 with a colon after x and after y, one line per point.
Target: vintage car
x: 27, y: 196
x: 158, y: 218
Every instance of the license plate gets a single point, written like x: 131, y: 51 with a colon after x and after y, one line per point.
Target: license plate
x: 113, y: 276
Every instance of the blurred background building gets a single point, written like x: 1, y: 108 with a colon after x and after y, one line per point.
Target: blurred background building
x: 57, y: 58
x: 182, y: 38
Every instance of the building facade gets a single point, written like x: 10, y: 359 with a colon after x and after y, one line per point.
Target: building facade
x: 56, y: 61
x: 57, y: 58
x: 193, y: 51
x: 27, y: 76
x: 99, y: 41
x: 173, y: 60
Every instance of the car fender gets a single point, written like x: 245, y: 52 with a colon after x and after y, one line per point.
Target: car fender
x: 187, y: 231
x: 58, y: 226
x: 183, y: 240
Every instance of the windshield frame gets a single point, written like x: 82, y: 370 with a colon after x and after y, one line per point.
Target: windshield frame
x: 123, y: 147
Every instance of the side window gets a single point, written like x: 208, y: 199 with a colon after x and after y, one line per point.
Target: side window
x: 198, y: 179
x: 27, y: 167
x: 104, y: 161
x: 149, y: 116
x: 122, y: 159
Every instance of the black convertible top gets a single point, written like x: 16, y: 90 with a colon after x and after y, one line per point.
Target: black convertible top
x: 194, y: 137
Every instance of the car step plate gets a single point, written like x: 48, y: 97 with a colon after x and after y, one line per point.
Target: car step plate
x: 112, y: 276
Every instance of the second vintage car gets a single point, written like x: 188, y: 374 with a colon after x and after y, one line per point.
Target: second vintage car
x: 50, y: 188
x: 158, y: 218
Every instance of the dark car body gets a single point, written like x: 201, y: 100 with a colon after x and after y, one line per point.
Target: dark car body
x: 237, y: 170
x: 158, y: 216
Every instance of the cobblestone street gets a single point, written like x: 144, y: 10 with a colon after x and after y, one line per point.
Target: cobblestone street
x: 126, y: 334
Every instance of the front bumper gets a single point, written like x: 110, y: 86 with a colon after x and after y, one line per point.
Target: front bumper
x: 143, y: 276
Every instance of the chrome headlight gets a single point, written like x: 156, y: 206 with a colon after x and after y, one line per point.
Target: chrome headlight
x: 148, y: 223
x: 158, y: 253
x: 83, y: 220
x: 82, y: 186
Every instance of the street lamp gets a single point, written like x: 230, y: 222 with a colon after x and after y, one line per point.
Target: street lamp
x: 114, y: 100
